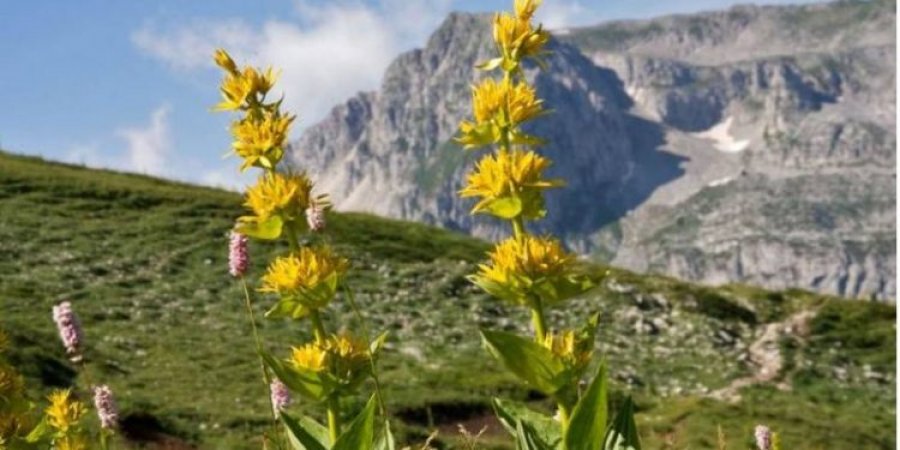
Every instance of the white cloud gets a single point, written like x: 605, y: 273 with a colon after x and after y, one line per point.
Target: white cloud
x: 562, y: 14
x: 334, y: 51
x: 148, y: 146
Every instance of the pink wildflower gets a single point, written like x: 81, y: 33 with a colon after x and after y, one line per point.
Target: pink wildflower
x: 763, y: 437
x: 107, y: 410
x: 69, y: 330
x: 281, y: 396
x: 238, y: 259
x: 315, y: 218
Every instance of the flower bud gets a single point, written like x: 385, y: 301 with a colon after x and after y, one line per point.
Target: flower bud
x: 69, y: 330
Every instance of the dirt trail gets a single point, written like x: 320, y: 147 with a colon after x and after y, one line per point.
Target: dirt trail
x: 765, y: 355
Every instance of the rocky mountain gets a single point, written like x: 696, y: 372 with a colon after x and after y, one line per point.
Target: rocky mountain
x: 751, y: 145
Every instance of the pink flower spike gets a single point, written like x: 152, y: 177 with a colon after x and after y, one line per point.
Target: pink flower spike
x: 763, y: 437
x: 281, y: 396
x: 70, y: 331
x: 238, y: 258
x: 315, y: 218
x: 107, y: 410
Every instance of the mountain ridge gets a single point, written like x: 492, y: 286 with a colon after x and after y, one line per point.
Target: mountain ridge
x: 640, y: 136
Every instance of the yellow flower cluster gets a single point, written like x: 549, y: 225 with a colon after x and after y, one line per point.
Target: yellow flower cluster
x: 64, y: 412
x: 527, y: 258
x: 261, y: 142
x: 499, y: 107
x: 517, y: 38
x: 569, y: 348
x: 509, y: 184
x: 288, y: 194
x: 342, y: 355
x: 259, y: 137
x: 307, y: 270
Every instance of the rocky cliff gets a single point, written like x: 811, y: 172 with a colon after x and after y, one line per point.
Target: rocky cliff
x: 753, y: 145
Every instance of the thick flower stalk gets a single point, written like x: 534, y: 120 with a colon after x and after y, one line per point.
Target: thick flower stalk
x: 305, y: 279
x: 70, y: 331
x: 534, y: 272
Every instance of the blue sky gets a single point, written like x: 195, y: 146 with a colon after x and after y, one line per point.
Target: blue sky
x: 128, y: 84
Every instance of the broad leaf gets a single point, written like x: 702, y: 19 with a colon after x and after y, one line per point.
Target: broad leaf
x: 527, y: 438
x: 528, y: 360
x: 622, y: 435
x: 301, y: 437
x: 509, y: 413
x: 504, y: 207
x: 307, y: 383
x: 268, y: 229
x: 386, y: 438
x: 360, y: 435
x: 587, y: 425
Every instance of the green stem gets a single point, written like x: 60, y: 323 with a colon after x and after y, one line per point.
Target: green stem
x: 537, y: 320
x: 518, y: 226
x: 262, y: 365
x: 318, y: 327
x: 365, y: 329
x: 564, y: 415
x: 334, y: 419
x: 291, y: 236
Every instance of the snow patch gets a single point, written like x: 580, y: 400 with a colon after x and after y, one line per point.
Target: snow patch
x: 720, y: 181
x: 722, y: 139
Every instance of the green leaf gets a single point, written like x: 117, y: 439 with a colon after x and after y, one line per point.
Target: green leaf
x: 376, y: 345
x: 361, y: 433
x: 527, y: 438
x: 386, y: 439
x: 268, y: 230
x: 529, y: 361
x: 588, y: 423
x: 307, y: 383
x: 505, y: 207
x: 509, y: 413
x: 490, y: 64
x: 38, y: 432
x: 300, y: 436
x: 622, y: 435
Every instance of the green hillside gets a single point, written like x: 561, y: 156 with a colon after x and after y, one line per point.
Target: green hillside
x: 144, y: 262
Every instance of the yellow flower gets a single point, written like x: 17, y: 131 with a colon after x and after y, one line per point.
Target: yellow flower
x: 306, y: 270
x: 223, y: 60
x: 64, y: 412
x: 498, y: 108
x: 506, y: 103
x: 237, y: 89
x: 310, y: 357
x: 509, y: 184
x: 77, y: 442
x: 517, y: 39
x: 288, y: 194
x: 527, y: 269
x: 350, y: 355
x: 11, y: 384
x: 527, y: 257
x: 525, y: 9
x: 575, y: 353
x: 261, y: 141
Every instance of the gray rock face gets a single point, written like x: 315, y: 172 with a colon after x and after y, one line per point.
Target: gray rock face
x: 752, y: 145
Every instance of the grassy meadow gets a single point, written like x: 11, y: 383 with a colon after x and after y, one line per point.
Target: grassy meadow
x: 144, y: 262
